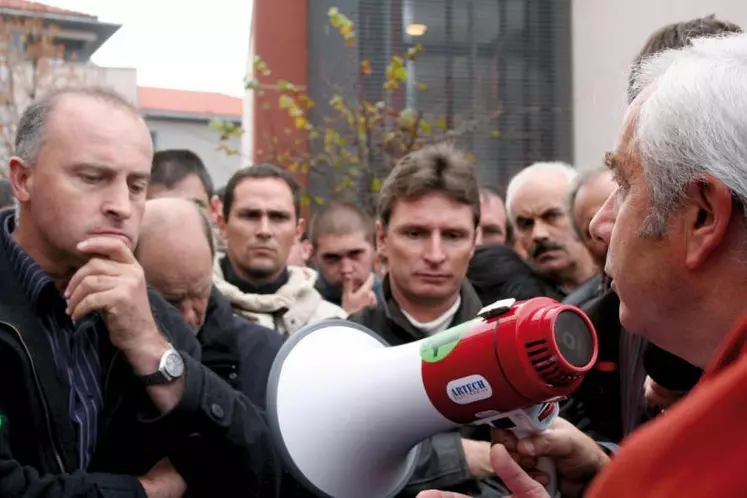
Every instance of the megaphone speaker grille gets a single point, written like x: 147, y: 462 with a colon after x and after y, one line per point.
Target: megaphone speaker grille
x: 574, y: 339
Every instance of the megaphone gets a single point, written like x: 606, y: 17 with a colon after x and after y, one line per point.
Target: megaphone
x: 347, y: 412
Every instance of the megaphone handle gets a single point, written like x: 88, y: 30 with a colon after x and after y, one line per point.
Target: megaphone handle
x: 546, y: 465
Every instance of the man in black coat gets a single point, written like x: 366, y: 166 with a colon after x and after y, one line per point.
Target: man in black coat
x: 176, y: 252
x: 105, y: 394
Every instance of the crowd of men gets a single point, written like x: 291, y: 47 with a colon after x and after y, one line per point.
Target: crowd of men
x: 141, y: 309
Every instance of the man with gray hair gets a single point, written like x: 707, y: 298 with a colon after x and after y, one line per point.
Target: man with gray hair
x: 682, y: 191
x: 542, y: 227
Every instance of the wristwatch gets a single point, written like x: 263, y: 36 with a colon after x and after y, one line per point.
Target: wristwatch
x: 170, y: 368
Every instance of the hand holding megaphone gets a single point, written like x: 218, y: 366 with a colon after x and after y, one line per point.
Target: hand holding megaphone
x: 347, y: 412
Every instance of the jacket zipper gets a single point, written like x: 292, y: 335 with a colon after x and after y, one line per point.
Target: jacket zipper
x: 41, y: 396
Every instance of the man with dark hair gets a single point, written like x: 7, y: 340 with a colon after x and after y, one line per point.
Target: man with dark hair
x: 261, y: 222
x: 429, y: 213
x: 342, y: 242
x: 675, y: 36
x: 180, y: 173
x: 108, y: 395
x: 6, y: 194
x: 493, y: 226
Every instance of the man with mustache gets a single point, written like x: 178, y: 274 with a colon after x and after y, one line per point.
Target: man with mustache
x: 260, y: 222
x: 536, y: 205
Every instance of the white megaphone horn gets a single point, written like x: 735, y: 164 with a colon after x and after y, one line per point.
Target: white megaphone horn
x: 347, y: 412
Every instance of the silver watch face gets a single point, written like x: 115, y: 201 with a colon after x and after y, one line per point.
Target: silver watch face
x: 173, y: 365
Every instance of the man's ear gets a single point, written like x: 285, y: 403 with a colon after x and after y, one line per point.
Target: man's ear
x: 381, y: 239
x: 300, y: 227
x: 478, y: 235
x: 20, y: 178
x: 216, y: 207
x: 707, y: 218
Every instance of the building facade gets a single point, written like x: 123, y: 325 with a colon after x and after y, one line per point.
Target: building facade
x: 179, y: 119
x: 552, y: 73
x: 497, y: 70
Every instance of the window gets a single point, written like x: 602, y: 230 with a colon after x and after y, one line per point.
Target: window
x: 505, y: 59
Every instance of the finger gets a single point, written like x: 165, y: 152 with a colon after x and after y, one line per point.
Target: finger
x: 559, y: 440
x: 440, y: 494
x: 110, y: 247
x: 347, y: 286
x: 92, y: 284
x: 506, y: 438
x: 368, y: 284
x: 514, y: 476
x: 365, y: 288
x: 91, y: 303
x: 372, y: 301
x: 95, y: 266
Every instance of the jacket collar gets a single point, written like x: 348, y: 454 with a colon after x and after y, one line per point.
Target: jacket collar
x: 468, y: 309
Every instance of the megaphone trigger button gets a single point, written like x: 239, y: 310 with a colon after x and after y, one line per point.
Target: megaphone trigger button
x: 217, y: 411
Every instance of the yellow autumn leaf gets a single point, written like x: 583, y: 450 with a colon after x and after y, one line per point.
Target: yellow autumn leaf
x: 286, y: 102
x: 366, y: 68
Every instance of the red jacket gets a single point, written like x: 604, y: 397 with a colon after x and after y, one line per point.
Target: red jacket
x: 696, y: 449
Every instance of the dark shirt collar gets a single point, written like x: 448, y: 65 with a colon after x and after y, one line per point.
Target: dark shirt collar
x: 33, y: 279
x: 248, y: 288
x: 330, y: 293
x: 468, y: 309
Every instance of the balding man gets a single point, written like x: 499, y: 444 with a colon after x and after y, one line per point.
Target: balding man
x: 107, y: 386
x: 535, y: 201
x: 176, y: 252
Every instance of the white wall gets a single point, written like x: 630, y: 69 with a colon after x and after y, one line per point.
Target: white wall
x: 119, y: 79
x: 607, y: 34
x: 197, y: 137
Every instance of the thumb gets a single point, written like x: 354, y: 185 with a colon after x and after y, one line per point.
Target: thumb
x: 513, y: 476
